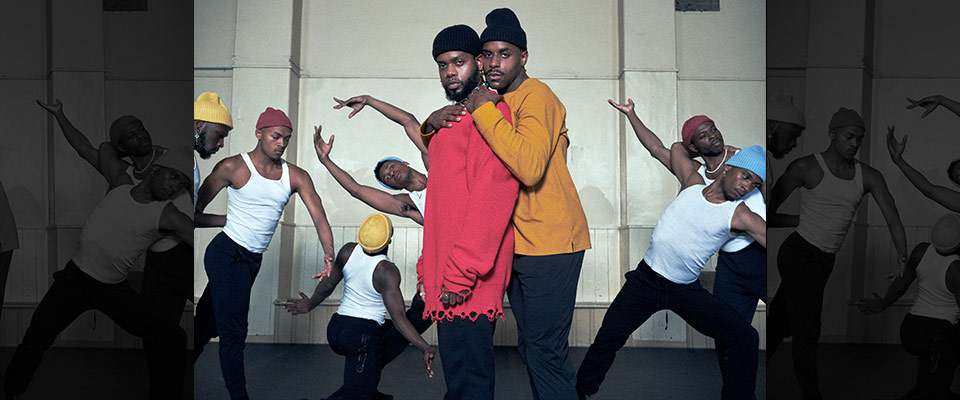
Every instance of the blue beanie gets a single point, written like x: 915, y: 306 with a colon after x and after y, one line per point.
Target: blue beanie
x: 752, y: 158
x: 376, y: 169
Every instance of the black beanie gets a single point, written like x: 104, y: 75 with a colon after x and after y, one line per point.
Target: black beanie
x: 503, y: 25
x: 456, y: 38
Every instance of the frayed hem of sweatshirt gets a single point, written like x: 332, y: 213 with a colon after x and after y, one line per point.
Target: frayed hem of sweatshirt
x: 449, y: 316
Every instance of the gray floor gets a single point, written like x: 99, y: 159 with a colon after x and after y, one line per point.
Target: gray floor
x: 85, y: 373
x: 849, y: 371
x: 314, y: 371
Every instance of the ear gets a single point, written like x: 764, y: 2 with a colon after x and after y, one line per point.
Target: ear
x: 831, y: 133
x: 259, y: 134
x: 523, y: 58
x: 692, y: 150
x: 197, y: 125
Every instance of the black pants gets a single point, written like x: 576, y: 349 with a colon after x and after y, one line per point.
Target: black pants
x: 360, y: 342
x: 393, y: 342
x: 74, y: 292
x: 645, y: 293
x: 741, y: 281
x: 797, y: 306
x: 543, y: 292
x: 168, y: 279
x: 466, y: 352
x: 5, y: 258
x: 935, y: 343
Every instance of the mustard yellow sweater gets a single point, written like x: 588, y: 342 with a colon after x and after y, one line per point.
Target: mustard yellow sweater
x: 548, y: 218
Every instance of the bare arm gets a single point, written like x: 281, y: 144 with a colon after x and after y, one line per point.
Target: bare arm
x: 683, y: 167
x: 399, y: 204
x: 325, y: 287
x: 405, y: 119
x: 930, y: 103
x: 386, y: 281
x: 647, y: 138
x: 953, y: 280
x: 899, y: 285
x: 748, y: 221
x: 172, y: 220
x: 791, y: 180
x: 106, y: 166
x: 946, y: 197
x: 303, y: 185
x: 874, y: 183
x: 219, y: 178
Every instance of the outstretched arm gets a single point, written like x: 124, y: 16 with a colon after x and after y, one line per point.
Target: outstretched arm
x: 405, y: 119
x: 748, y: 221
x: 400, y: 204
x: 946, y: 197
x: 647, y: 138
x: 326, y: 286
x: 301, y: 183
x: 386, y: 281
x: 683, y: 167
x: 874, y: 183
x: 107, y: 166
x: 931, y: 103
x: 898, y: 287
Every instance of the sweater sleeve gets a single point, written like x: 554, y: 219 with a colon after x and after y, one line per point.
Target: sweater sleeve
x: 492, y: 196
x: 525, y: 145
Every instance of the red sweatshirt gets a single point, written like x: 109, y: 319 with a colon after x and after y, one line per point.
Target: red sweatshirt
x: 467, y: 233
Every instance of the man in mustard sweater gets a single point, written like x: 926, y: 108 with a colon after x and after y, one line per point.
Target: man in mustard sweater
x: 550, y: 226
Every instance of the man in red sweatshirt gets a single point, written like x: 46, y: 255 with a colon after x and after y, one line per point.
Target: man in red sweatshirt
x: 467, y: 234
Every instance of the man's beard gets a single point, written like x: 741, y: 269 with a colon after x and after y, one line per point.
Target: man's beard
x: 198, y: 145
x: 465, y: 89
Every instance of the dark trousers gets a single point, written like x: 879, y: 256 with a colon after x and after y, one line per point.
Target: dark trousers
x: 935, y: 343
x: 168, y: 279
x: 360, y: 342
x: 74, y: 292
x: 393, y: 342
x: 741, y: 281
x: 223, y: 307
x: 645, y: 293
x: 796, y: 308
x: 542, y: 293
x: 466, y: 352
x: 5, y: 258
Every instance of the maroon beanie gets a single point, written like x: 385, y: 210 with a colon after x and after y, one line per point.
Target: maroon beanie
x: 273, y: 117
x: 688, y: 127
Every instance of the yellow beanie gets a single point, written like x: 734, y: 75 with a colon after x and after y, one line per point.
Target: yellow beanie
x: 375, y: 232
x: 210, y: 108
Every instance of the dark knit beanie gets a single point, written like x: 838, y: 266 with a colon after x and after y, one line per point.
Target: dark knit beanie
x: 456, y: 38
x: 503, y: 25
x: 846, y: 117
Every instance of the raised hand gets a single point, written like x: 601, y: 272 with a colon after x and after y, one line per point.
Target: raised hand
x: 895, y: 148
x: 298, y: 306
x: 356, y: 103
x: 443, y: 117
x: 322, y: 148
x: 930, y: 103
x: 328, y: 266
x: 624, y: 108
x: 52, y: 108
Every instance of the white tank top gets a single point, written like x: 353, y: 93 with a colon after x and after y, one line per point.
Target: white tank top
x: 826, y: 211
x: 254, y: 210
x: 934, y: 300
x: 116, y: 234
x: 360, y: 299
x: 181, y: 201
x: 688, y: 233
x: 419, y: 200
x: 754, y: 201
